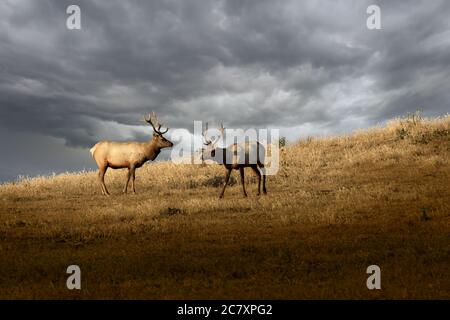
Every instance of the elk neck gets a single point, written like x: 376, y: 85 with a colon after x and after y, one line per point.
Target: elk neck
x: 152, y: 150
x: 221, y: 155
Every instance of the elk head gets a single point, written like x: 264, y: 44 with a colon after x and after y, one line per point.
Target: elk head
x: 160, y: 140
x: 209, y: 149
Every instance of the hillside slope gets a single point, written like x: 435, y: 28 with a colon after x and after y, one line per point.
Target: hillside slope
x: 338, y: 204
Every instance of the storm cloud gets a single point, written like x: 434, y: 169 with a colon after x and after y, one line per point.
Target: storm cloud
x: 307, y: 67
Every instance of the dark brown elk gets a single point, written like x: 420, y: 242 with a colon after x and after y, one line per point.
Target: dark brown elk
x: 236, y: 156
x: 131, y: 154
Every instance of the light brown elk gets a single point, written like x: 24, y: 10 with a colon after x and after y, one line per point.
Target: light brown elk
x: 131, y: 155
x: 236, y: 156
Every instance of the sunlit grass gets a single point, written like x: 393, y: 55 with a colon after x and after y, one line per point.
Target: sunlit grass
x: 336, y: 205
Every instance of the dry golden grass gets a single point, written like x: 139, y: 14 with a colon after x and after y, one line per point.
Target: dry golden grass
x: 338, y: 204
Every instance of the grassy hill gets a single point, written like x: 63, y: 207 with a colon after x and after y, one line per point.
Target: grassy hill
x: 338, y: 204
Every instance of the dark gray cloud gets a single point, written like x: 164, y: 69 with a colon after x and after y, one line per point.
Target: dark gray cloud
x: 304, y: 66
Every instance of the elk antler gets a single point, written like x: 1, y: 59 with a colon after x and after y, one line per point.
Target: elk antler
x: 152, y: 119
x: 206, y: 141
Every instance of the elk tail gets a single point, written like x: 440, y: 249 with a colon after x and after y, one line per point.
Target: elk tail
x: 92, y: 150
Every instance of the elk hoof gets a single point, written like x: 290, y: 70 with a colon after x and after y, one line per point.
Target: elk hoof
x: 221, y: 196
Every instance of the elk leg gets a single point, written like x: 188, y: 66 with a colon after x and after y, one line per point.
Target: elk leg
x: 101, y: 177
x: 256, y: 170
x: 264, y: 184
x: 241, y: 171
x: 128, y: 180
x: 133, y: 177
x: 263, y: 176
x: 227, y: 178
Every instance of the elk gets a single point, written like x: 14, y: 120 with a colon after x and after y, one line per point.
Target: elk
x: 131, y: 154
x: 236, y: 156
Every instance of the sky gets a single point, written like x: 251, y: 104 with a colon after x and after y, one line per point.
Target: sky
x: 307, y: 68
